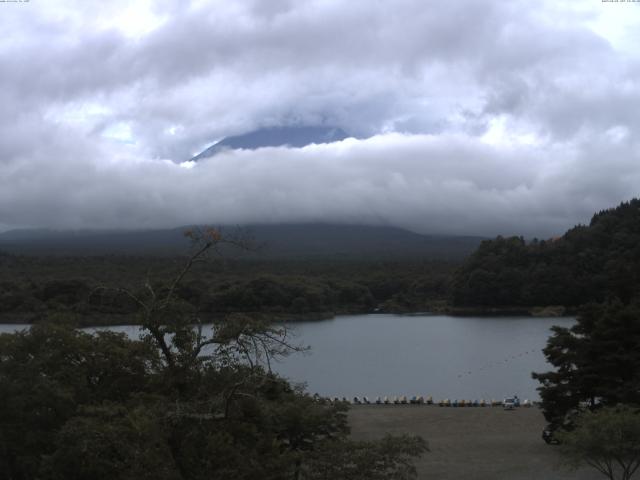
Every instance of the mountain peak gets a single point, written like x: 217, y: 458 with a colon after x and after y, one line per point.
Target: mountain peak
x: 296, y: 137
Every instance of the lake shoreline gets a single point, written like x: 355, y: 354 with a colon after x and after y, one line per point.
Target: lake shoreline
x: 531, y: 311
x: 105, y: 320
x: 441, y: 356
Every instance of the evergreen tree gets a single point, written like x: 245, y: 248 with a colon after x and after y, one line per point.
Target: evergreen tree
x: 597, y: 362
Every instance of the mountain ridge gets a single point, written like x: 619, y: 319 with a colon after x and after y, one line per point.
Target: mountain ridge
x: 277, y: 240
x: 296, y: 137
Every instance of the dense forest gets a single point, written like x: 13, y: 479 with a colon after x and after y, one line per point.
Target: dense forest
x: 34, y: 288
x: 589, y: 263
x: 307, y: 271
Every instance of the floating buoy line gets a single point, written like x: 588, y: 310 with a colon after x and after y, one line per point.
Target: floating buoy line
x: 445, y: 402
x: 420, y: 400
x: 497, y: 363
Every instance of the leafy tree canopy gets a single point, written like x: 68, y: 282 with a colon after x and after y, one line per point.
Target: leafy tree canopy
x: 607, y: 440
x: 588, y: 263
x: 182, y: 403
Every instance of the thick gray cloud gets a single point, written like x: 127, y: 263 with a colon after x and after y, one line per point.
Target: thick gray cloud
x: 509, y: 117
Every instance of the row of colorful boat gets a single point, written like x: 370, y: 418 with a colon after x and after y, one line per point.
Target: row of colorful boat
x: 419, y: 400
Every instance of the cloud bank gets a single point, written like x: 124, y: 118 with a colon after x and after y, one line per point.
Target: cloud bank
x: 484, y: 117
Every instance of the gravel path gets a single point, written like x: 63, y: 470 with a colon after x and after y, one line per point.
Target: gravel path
x: 470, y: 443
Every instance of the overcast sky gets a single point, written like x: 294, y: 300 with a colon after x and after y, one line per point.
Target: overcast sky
x: 473, y: 117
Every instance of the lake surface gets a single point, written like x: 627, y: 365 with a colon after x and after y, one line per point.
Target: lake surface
x: 438, y: 355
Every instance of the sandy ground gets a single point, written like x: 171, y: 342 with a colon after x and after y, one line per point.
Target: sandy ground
x: 470, y: 443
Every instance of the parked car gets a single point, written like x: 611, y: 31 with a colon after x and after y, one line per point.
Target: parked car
x: 509, y: 403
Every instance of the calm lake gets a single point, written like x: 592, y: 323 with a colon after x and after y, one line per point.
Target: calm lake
x: 442, y: 356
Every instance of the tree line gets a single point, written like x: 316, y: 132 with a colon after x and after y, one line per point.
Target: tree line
x: 36, y: 288
x: 589, y: 263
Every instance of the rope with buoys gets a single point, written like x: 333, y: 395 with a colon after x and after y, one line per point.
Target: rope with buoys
x: 496, y: 363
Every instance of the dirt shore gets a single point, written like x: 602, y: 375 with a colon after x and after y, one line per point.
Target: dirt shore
x: 470, y: 443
